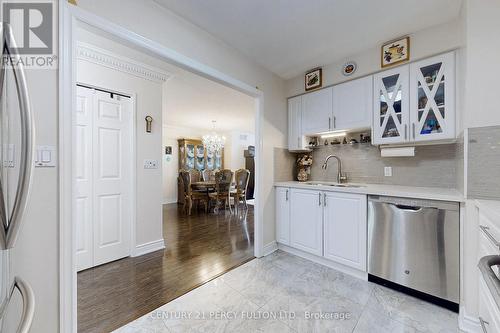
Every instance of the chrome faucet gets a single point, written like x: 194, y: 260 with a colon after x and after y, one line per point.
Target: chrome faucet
x: 340, y: 176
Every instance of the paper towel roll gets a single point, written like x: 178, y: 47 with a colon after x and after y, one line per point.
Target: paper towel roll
x: 397, y: 152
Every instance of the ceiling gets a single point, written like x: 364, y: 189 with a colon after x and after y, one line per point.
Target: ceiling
x: 193, y: 101
x: 190, y: 100
x: 289, y: 37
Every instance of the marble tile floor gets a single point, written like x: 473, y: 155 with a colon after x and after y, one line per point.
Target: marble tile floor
x: 285, y: 293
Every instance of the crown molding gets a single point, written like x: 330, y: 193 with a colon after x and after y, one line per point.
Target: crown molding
x: 96, y: 55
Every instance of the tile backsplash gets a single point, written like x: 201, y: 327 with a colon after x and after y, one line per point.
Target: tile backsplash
x: 284, y: 165
x: 432, y: 166
x: 483, y: 164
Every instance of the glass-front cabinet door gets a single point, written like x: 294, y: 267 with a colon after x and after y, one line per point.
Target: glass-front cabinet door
x: 200, y: 157
x: 391, y: 109
x: 432, y: 100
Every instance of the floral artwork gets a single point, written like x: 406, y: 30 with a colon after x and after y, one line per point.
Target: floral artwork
x: 396, y: 52
x: 304, y: 162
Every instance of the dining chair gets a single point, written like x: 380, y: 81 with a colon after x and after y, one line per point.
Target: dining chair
x: 223, y: 179
x: 191, y: 196
x: 208, y: 175
x: 241, y: 177
x: 194, y: 175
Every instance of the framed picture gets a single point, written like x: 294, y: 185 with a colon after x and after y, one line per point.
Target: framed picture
x: 395, y: 52
x: 168, y: 150
x: 313, y: 79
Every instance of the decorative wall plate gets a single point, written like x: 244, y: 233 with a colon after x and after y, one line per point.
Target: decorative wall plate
x: 349, y: 68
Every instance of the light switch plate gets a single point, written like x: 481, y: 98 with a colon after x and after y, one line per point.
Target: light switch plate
x: 388, y: 171
x: 150, y: 164
x: 45, y: 156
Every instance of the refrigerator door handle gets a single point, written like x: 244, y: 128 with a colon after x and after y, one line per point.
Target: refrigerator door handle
x: 28, y: 297
x: 4, y: 218
x: 27, y: 139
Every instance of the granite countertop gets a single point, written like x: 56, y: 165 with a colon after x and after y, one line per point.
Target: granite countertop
x: 430, y: 193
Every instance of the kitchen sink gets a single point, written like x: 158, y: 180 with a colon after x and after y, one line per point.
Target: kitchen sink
x: 333, y: 184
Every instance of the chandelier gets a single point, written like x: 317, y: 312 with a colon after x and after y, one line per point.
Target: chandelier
x: 213, y: 142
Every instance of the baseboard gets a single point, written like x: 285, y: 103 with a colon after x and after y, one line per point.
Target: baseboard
x: 325, y: 262
x: 468, y: 323
x: 148, y: 247
x: 269, y: 248
x: 169, y: 201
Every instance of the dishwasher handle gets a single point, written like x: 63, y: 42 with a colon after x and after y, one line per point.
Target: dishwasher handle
x: 410, y: 208
x: 413, y: 204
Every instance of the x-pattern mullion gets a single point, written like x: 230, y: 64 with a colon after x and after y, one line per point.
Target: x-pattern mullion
x: 431, y: 100
x: 390, y: 105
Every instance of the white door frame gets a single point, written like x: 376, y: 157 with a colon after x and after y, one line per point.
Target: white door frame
x: 133, y: 165
x: 69, y: 18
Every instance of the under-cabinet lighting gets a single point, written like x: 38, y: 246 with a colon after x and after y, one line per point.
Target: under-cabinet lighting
x: 333, y: 135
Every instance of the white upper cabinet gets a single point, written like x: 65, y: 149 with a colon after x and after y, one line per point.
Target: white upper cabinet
x: 415, y: 102
x: 432, y: 99
x: 296, y: 141
x: 317, y: 111
x: 391, y: 106
x: 352, y: 104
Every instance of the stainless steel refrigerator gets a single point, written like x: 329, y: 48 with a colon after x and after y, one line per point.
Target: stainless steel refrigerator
x: 17, y: 301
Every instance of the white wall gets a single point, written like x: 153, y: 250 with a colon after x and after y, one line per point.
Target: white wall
x: 239, y: 143
x: 423, y: 44
x: 482, y: 63
x: 148, y: 145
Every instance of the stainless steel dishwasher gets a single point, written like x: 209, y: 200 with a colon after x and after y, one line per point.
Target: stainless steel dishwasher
x: 413, y: 246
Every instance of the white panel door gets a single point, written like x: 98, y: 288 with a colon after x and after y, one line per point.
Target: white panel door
x: 83, y: 195
x: 112, y: 153
x: 317, y: 109
x: 345, y: 228
x: 391, y: 110
x: 306, y: 221
x: 432, y: 99
x: 283, y: 215
x: 353, y: 104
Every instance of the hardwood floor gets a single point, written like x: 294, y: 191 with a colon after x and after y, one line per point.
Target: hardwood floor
x: 198, y: 248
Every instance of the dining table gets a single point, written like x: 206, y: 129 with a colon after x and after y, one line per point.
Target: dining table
x: 203, y: 185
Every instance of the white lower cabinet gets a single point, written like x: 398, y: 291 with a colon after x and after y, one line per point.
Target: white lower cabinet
x: 344, y: 228
x: 283, y: 215
x: 489, y: 314
x: 306, y: 221
x: 327, y: 224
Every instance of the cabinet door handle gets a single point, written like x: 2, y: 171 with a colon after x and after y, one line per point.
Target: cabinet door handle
x: 406, y: 131
x: 324, y: 199
x: 334, y: 122
x: 286, y: 195
x: 483, y: 324
x: 319, y: 199
x: 486, y: 231
x: 413, y: 128
x: 298, y: 142
x: 329, y: 123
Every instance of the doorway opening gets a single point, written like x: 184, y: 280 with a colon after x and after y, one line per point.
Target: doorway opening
x: 130, y: 113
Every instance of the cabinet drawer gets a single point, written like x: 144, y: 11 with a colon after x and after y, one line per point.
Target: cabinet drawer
x: 489, y: 235
x: 489, y: 313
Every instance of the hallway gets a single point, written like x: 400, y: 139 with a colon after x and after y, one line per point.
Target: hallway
x: 198, y: 248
